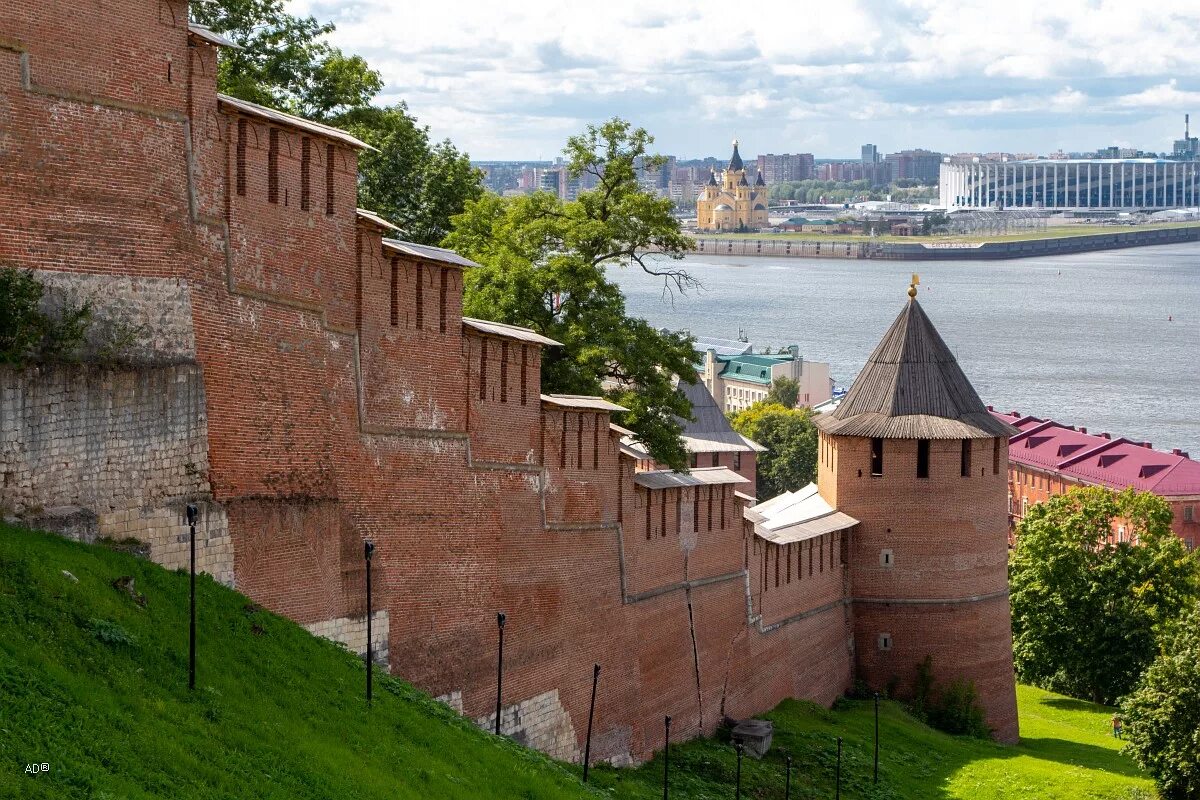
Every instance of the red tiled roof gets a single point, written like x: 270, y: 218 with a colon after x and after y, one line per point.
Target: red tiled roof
x: 1099, y: 459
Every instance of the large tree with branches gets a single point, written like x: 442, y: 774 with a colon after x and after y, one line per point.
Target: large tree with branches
x: 544, y: 265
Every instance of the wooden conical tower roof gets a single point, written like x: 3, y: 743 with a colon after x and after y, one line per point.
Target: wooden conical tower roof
x: 913, y: 388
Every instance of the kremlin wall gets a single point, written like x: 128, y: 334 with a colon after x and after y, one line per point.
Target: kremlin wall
x: 310, y: 382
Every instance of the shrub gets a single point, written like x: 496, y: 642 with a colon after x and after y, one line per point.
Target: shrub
x: 1162, y: 714
x: 27, y: 333
x: 953, y: 708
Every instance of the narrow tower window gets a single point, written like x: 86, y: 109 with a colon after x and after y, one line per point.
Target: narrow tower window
x: 524, y: 368
x: 483, y: 344
x: 445, y: 276
x: 273, y: 167
x: 996, y: 456
x: 329, y: 180
x: 922, y: 458
x: 877, y: 457
x: 420, y: 297
x: 305, y: 168
x: 395, y: 315
x: 504, y: 372
x: 965, y: 463
x: 241, y: 158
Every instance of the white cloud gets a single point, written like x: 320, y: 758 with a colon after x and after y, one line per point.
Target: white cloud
x: 514, y: 79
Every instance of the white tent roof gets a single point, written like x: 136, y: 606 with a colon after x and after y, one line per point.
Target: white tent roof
x: 796, y: 516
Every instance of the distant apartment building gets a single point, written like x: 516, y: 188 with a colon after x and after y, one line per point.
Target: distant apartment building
x: 786, y: 167
x: 1046, y: 458
x: 842, y: 171
x: 739, y: 380
x: 916, y: 165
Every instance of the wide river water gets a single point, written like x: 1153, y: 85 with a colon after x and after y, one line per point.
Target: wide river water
x: 1108, y: 340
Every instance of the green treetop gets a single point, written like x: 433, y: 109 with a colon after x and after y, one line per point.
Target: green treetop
x: 1087, y: 613
x: 544, y: 263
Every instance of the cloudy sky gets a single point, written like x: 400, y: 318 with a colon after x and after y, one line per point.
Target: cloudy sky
x: 511, y: 79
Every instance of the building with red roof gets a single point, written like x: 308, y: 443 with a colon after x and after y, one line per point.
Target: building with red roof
x: 1046, y: 458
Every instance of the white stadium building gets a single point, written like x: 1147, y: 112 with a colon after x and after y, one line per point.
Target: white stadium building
x: 1071, y: 184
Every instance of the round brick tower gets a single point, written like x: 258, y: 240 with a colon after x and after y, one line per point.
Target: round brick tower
x: 916, y: 457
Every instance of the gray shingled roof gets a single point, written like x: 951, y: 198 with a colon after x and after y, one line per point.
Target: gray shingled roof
x: 913, y: 388
x: 710, y: 431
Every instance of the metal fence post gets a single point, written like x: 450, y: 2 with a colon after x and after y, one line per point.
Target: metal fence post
x: 587, y: 748
x: 737, y: 792
x: 499, y: 669
x: 666, y: 755
x: 876, y: 779
x: 838, y: 795
x: 191, y: 520
x: 368, y: 551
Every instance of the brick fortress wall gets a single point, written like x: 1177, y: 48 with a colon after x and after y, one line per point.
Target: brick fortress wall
x: 345, y: 400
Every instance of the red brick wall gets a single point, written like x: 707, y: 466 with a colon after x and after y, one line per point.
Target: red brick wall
x: 947, y: 537
x: 334, y: 417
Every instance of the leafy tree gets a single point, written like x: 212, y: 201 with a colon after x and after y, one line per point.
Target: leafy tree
x: 544, y: 265
x: 1162, y: 715
x: 785, y: 392
x: 30, y: 334
x: 1087, y: 614
x: 416, y: 184
x: 285, y: 61
x: 790, y: 461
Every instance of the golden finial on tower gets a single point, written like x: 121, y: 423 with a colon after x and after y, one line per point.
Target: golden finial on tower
x: 912, y: 287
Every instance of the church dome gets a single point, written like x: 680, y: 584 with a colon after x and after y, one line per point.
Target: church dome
x: 735, y: 162
x: 723, y: 207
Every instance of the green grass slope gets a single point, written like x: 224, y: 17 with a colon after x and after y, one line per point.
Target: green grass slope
x: 95, y: 685
x: 1066, y: 753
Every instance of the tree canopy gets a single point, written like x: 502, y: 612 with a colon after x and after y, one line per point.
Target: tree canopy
x: 790, y: 461
x: 287, y: 63
x: 1162, y: 715
x: 544, y: 263
x: 1087, y: 612
x: 785, y: 392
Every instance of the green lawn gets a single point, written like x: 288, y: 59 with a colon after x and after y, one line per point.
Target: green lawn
x: 95, y: 685
x: 1051, y: 232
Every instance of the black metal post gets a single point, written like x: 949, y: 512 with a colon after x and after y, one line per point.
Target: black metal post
x: 876, y: 780
x: 838, y: 795
x: 666, y: 755
x: 191, y: 520
x: 587, y: 748
x: 787, y: 786
x: 368, y: 551
x: 737, y: 792
x: 499, y: 669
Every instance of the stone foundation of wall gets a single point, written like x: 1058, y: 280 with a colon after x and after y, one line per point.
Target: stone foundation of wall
x: 352, y: 632
x: 541, y: 722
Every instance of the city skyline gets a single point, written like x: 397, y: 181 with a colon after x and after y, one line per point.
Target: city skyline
x: 508, y: 83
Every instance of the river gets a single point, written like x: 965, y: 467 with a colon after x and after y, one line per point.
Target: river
x: 1109, y: 340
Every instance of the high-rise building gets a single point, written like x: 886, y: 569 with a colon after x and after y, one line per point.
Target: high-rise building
x: 870, y: 154
x: 917, y: 165
x: 786, y: 167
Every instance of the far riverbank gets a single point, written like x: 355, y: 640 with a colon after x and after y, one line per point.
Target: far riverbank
x: 775, y: 246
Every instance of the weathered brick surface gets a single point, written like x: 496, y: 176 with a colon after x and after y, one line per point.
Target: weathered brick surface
x: 343, y: 402
x: 944, y: 591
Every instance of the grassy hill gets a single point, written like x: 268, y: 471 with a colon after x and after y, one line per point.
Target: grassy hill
x: 95, y: 685
x: 1066, y: 753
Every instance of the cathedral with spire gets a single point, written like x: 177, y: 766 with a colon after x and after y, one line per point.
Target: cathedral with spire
x: 732, y: 204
